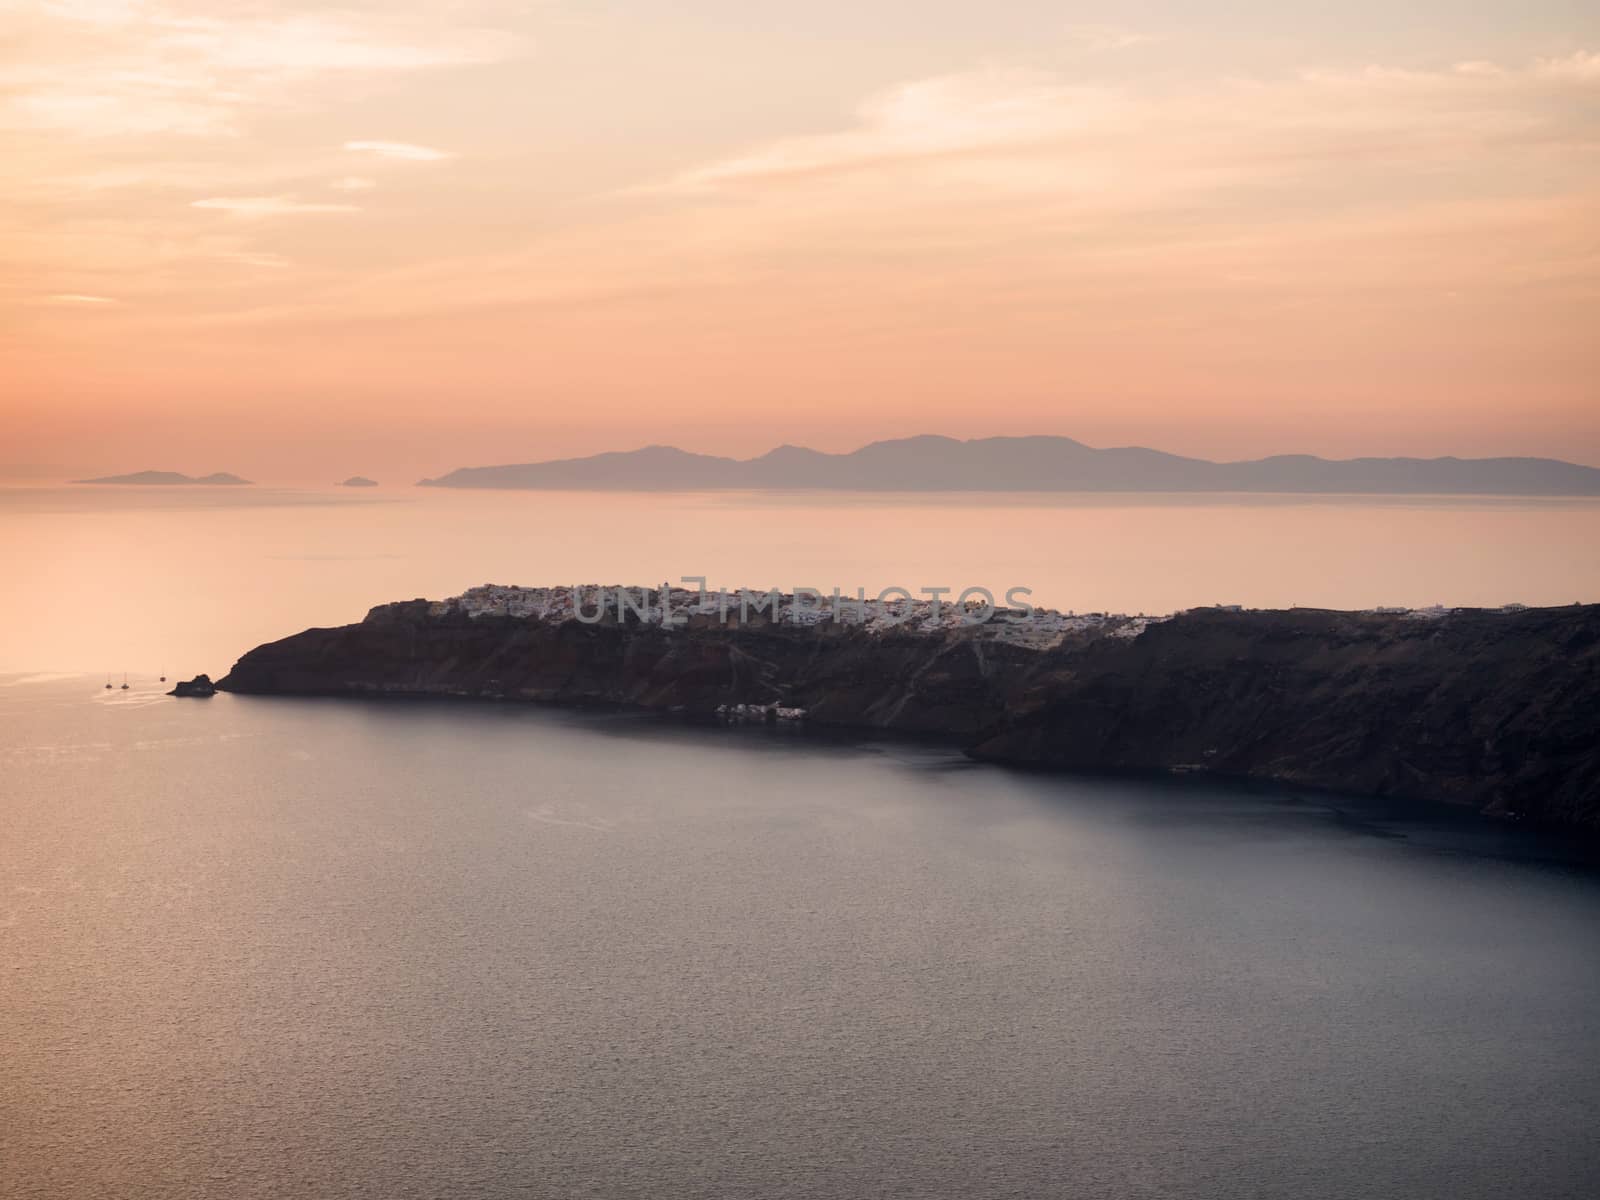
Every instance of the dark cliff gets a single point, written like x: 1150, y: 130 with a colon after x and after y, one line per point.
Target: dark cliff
x: 1499, y: 711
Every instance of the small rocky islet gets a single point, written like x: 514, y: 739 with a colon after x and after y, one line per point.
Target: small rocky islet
x: 199, y: 688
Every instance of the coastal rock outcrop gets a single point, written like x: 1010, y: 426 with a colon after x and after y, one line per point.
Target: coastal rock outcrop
x: 200, y: 687
x: 1496, y: 710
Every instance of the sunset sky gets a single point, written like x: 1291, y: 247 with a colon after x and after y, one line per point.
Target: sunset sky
x: 300, y: 242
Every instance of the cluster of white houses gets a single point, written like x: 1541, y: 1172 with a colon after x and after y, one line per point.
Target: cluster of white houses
x: 894, y: 610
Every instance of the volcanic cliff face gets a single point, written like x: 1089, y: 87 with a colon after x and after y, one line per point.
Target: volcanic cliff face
x: 1496, y: 710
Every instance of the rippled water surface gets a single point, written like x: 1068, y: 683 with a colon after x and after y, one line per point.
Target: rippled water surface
x: 258, y: 947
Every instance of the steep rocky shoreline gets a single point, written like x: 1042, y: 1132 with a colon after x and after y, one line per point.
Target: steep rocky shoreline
x: 1499, y: 711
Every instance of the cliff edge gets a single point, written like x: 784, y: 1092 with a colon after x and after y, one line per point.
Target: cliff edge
x: 1492, y: 709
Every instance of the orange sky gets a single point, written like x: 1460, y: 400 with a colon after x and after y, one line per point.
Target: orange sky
x: 299, y: 242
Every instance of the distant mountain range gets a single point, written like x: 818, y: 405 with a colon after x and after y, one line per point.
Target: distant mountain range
x: 1045, y: 464
x: 168, y: 477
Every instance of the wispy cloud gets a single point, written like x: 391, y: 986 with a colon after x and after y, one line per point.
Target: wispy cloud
x: 1098, y: 38
x: 123, y: 68
x: 402, y: 150
x: 78, y: 298
x: 1032, y: 189
x: 1581, y: 66
x: 923, y: 118
x: 314, y: 43
x: 248, y: 258
x: 1062, y: 130
x: 269, y: 206
x: 160, y: 148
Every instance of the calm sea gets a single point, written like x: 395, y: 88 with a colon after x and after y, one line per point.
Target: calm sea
x: 256, y: 947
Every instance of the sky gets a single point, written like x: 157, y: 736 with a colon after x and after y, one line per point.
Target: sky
x: 300, y: 242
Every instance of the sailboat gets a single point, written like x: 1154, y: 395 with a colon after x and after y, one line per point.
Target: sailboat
x: 124, y: 681
x: 108, y: 683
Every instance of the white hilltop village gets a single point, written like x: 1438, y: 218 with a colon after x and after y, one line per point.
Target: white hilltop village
x: 1037, y: 627
x: 1027, y: 626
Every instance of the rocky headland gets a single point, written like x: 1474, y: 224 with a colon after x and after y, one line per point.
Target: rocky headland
x: 1498, y: 710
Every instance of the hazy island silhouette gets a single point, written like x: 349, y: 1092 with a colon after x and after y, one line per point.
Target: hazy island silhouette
x: 170, y: 478
x: 934, y: 463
